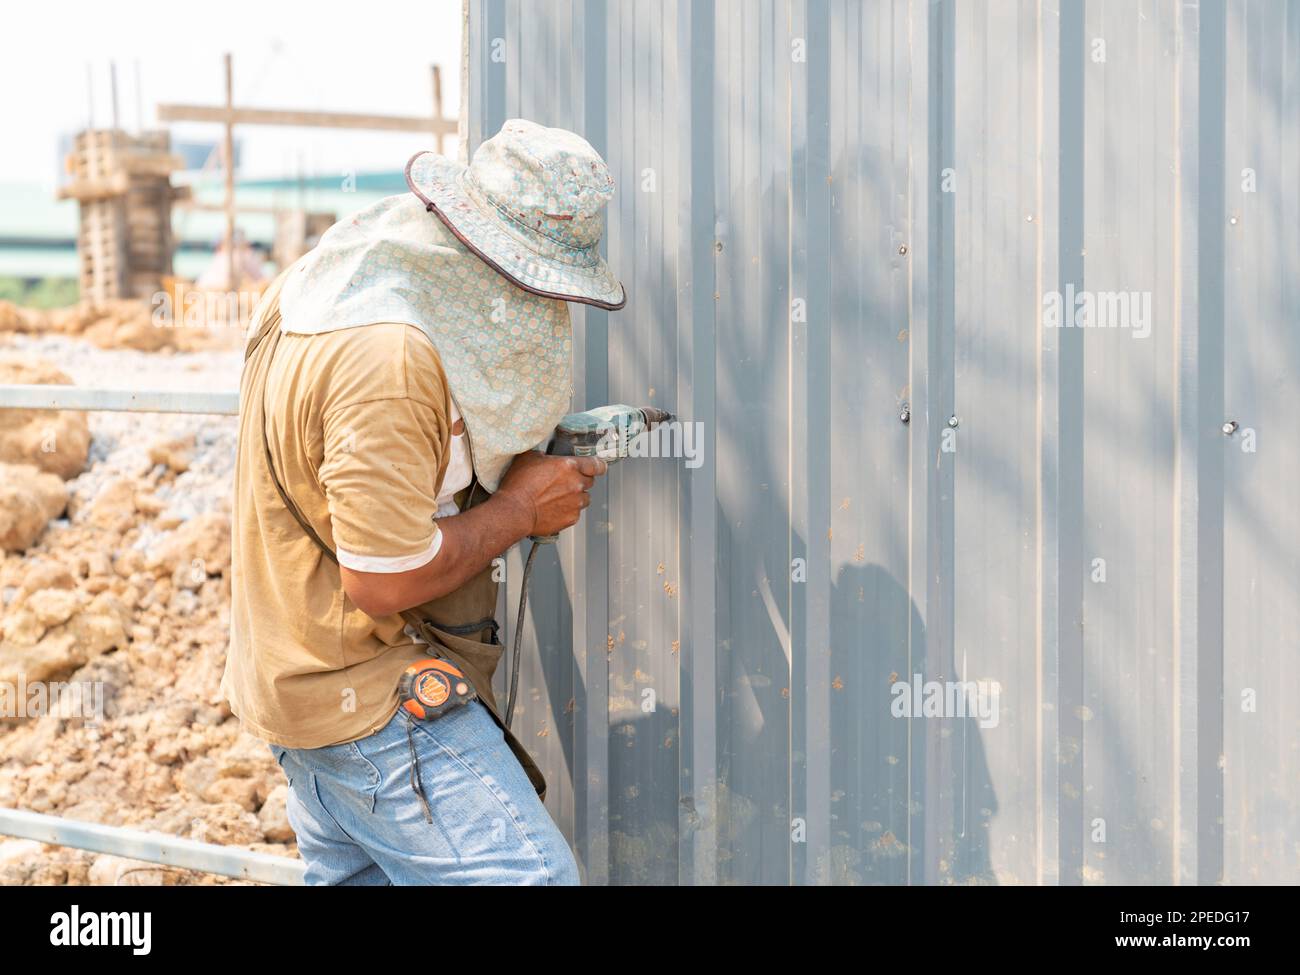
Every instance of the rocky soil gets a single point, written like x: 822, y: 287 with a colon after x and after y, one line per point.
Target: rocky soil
x: 115, y: 570
x: 193, y: 321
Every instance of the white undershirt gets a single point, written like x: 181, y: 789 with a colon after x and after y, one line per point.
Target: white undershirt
x: 459, y: 471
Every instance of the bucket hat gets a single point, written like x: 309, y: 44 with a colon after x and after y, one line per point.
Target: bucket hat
x: 531, y: 205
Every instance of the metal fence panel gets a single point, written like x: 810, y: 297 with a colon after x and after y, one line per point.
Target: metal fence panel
x: 838, y: 224
x: 1260, y: 517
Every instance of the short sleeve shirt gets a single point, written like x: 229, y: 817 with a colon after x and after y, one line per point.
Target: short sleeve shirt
x: 359, y: 426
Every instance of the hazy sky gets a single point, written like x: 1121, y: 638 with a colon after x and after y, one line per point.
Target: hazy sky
x: 370, y: 56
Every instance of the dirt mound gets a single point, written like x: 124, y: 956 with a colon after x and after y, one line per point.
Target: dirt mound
x: 16, y: 319
x: 126, y: 598
x: 29, y: 498
x: 56, y: 441
x: 199, y: 322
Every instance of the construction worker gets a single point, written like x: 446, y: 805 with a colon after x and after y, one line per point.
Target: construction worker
x: 396, y: 380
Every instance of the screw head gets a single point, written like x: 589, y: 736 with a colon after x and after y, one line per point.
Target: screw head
x: 905, y: 415
x: 1229, y: 428
x: 902, y: 249
x: 952, y: 421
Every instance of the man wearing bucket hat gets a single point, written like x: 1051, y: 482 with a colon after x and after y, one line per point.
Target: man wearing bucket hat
x: 396, y: 381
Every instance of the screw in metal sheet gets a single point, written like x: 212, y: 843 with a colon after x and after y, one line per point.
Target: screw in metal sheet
x: 952, y: 421
x: 1229, y: 428
x: 905, y: 415
x: 902, y: 249
x: 717, y: 246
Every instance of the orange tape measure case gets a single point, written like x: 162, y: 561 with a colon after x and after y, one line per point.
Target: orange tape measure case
x: 431, y: 687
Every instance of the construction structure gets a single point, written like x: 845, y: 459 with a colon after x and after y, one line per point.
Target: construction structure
x: 293, y: 236
x: 122, y: 183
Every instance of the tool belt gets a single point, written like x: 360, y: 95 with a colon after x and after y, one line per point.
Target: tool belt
x: 460, y: 626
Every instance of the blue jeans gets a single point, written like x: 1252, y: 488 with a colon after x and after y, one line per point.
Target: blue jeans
x: 359, y: 819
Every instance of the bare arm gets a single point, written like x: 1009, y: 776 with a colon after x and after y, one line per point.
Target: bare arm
x: 540, y: 496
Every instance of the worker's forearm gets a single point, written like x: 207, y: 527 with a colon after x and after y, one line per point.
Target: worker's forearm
x: 470, y: 541
x: 540, y: 495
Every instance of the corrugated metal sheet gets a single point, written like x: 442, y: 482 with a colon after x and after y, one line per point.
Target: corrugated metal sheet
x: 833, y: 214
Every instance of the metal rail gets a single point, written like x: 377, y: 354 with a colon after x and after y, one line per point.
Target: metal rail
x: 137, y: 844
x: 36, y: 397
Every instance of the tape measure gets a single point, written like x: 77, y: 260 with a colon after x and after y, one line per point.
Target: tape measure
x: 430, y: 688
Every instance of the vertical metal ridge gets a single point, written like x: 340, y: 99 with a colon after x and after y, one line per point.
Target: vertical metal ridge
x: 935, y: 599
x: 792, y: 20
x: 1047, y: 440
x: 807, y: 127
x: 696, y: 364
x: 1211, y: 256
x: 1188, y: 416
x: 1070, y: 386
x: 589, y: 551
x: 923, y: 40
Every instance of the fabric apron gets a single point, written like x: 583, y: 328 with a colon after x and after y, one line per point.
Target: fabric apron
x: 460, y: 626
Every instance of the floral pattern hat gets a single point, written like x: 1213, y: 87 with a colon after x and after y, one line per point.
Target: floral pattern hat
x: 489, y: 293
x: 531, y: 204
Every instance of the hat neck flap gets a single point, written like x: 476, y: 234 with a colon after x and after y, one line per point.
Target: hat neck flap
x: 506, y: 352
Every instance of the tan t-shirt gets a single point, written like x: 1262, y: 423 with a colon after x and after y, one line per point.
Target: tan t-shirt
x: 359, y: 426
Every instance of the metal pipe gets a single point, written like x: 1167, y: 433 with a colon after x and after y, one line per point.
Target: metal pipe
x: 112, y: 90
x: 136, y: 844
x: 40, y: 397
x: 228, y: 157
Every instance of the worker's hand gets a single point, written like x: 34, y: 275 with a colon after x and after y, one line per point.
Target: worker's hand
x: 552, y: 489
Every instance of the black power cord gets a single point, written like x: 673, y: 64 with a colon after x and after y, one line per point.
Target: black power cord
x: 519, y: 635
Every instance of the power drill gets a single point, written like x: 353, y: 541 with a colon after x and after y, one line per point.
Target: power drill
x: 605, y: 432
